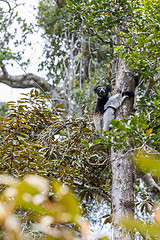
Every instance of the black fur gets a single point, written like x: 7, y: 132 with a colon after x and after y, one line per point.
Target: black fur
x: 128, y: 93
x: 107, y: 105
x: 103, y: 93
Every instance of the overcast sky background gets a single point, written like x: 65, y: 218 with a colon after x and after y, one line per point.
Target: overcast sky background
x: 25, y: 11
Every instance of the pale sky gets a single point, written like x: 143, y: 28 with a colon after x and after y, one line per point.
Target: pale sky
x: 7, y: 93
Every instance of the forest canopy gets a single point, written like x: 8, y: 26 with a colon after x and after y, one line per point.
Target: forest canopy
x: 50, y: 133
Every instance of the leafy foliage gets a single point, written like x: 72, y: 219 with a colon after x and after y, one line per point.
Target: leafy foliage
x: 50, y: 214
x: 83, y: 39
x: 9, y: 21
x: 3, y: 109
x: 70, y: 49
x: 38, y: 138
x: 137, y: 20
x: 142, y: 48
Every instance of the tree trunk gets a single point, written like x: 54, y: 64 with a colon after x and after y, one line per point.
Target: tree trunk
x: 122, y: 171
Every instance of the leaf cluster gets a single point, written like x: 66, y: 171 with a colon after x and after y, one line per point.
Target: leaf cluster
x: 36, y: 137
x: 70, y: 49
x: 129, y: 28
x: 8, y: 27
x: 46, y: 214
x: 39, y: 137
x: 142, y: 37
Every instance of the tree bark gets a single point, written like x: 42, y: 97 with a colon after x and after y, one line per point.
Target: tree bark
x: 151, y: 183
x: 27, y: 80
x: 122, y: 170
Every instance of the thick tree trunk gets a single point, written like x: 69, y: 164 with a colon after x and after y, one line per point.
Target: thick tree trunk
x: 122, y: 171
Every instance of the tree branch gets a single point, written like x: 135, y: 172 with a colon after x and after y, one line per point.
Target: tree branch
x: 9, y: 6
x: 95, y: 189
x: 4, y: 70
x: 151, y: 184
x: 151, y: 83
x: 100, y: 38
x: 27, y: 80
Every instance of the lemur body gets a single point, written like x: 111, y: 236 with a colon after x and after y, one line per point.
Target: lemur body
x: 103, y: 93
x: 107, y: 105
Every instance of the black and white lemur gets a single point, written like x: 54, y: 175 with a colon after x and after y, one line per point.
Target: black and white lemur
x: 107, y: 105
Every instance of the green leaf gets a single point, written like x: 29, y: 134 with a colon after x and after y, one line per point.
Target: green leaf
x: 65, y: 198
x: 152, y: 230
x: 26, y: 126
x: 149, y: 163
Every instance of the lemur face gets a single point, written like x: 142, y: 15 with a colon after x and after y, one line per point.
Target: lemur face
x: 102, y: 91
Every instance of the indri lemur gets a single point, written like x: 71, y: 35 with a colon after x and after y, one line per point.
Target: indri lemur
x: 107, y: 105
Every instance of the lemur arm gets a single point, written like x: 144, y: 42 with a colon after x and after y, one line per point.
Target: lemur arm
x: 114, y: 101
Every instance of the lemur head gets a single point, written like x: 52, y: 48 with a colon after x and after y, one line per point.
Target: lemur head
x: 103, y: 90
